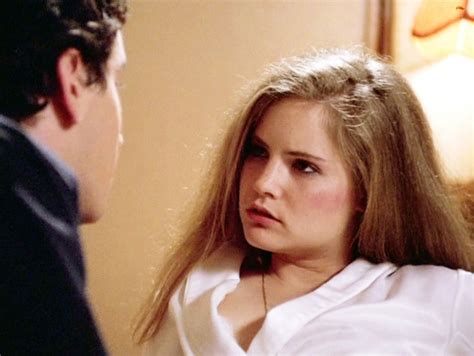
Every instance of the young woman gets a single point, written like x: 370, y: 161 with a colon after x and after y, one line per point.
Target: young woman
x: 327, y: 227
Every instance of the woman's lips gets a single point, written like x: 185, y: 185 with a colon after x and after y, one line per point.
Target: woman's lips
x: 261, y: 216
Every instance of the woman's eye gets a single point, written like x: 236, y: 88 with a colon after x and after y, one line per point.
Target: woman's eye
x: 305, y: 166
x: 257, y: 151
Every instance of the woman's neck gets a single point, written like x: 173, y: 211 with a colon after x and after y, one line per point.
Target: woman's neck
x: 289, y: 278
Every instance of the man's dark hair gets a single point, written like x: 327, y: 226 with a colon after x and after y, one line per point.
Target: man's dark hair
x: 34, y: 33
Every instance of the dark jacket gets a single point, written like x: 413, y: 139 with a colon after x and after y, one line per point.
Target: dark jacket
x: 43, y: 306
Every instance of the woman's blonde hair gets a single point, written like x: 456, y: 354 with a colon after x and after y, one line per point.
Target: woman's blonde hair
x: 385, y: 140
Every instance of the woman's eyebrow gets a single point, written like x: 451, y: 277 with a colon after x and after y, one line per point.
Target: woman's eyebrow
x: 305, y: 155
x: 294, y: 153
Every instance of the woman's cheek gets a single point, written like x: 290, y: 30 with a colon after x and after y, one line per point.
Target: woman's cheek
x: 331, y: 200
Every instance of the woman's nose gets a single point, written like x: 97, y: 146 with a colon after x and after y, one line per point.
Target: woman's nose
x: 269, y: 180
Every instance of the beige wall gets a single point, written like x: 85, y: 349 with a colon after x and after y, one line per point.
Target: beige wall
x: 406, y: 55
x: 187, y: 61
x: 443, y: 86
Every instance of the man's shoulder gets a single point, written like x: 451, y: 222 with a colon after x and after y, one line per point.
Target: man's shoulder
x: 17, y: 148
x: 8, y: 134
x: 29, y: 174
x: 41, y: 254
x: 11, y: 139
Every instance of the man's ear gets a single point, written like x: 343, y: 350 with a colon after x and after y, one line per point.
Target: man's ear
x: 69, y: 100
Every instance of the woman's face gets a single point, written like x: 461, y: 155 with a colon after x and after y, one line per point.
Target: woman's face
x: 296, y: 195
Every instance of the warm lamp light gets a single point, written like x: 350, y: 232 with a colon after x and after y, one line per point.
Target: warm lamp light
x: 444, y: 27
x: 444, y: 32
x: 444, y: 90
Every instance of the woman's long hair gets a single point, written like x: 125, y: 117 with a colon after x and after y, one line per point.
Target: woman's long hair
x: 385, y: 140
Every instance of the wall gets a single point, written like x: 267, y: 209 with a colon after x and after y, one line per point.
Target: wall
x: 187, y: 61
x: 443, y: 86
x: 405, y: 54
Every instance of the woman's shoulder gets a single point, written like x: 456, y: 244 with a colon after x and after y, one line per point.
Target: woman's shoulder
x: 433, y: 273
x: 432, y: 277
x: 435, y: 284
x: 221, y: 266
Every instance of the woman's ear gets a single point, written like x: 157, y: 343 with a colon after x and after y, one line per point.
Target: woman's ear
x: 361, y: 204
x: 359, y: 209
x: 69, y: 99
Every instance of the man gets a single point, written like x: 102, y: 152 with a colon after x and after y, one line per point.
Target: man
x: 60, y: 132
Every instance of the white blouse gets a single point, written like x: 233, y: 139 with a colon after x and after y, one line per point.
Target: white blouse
x: 365, y: 309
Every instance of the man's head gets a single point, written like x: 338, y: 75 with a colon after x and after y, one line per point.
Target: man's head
x: 59, y: 62
x: 34, y: 33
